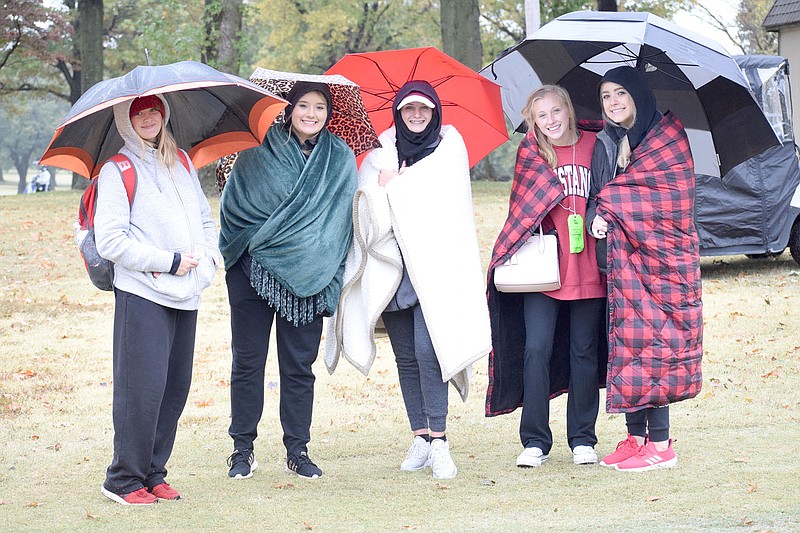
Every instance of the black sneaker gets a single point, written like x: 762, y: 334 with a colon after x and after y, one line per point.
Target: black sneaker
x: 242, y: 463
x: 303, y: 466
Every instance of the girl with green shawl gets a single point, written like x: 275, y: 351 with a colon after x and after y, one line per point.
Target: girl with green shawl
x: 286, y: 226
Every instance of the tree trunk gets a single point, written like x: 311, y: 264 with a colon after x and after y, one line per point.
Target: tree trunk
x: 90, y: 53
x: 461, y: 39
x: 607, y: 5
x: 90, y: 41
x: 21, y: 164
x: 461, y: 31
x: 223, y: 30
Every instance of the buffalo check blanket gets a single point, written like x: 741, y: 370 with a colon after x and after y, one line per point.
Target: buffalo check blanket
x: 535, y: 191
x: 655, y: 307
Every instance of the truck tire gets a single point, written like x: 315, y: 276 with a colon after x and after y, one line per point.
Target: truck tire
x: 794, y: 241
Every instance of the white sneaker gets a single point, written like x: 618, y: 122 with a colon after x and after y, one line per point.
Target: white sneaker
x: 418, y: 456
x: 584, y: 455
x: 531, y: 457
x: 441, y: 463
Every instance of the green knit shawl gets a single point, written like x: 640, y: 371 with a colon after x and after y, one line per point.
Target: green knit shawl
x: 294, y: 216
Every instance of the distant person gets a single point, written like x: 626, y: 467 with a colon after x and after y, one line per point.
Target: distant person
x: 286, y: 225
x: 164, y: 248
x: 641, y: 210
x: 546, y: 343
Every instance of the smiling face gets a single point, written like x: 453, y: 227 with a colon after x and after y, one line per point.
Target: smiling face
x: 618, y: 104
x: 308, y: 115
x: 416, y: 116
x: 551, y: 116
x: 147, y: 123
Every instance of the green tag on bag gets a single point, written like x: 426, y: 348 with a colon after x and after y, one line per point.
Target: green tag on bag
x: 575, y: 225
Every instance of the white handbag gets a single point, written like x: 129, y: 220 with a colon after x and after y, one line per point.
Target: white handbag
x: 534, y: 268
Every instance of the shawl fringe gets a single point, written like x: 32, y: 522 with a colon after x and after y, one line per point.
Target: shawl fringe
x: 297, y: 310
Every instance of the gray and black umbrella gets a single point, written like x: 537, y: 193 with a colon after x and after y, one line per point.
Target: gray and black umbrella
x: 691, y: 75
x: 212, y: 114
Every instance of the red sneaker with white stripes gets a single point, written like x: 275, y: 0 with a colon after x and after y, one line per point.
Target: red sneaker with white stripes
x: 648, y: 458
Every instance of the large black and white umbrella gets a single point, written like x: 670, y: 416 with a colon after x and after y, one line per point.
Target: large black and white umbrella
x: 691, y: 75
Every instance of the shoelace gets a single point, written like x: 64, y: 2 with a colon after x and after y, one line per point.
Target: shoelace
x: 300, y: 460
x: 245, y: 457
x: 417, y: 450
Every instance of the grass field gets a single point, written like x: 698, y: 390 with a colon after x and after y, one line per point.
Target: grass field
x: 737, y: 442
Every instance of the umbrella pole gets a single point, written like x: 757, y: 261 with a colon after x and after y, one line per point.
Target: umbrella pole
x: 147, y: 56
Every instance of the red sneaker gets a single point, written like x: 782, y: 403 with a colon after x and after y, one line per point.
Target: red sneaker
x: 164, y: 492
x: 137, y: 497
x: 625, y: 449
x: 648, y: 458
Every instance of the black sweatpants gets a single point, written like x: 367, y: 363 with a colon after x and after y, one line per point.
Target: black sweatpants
x: 541, y: 312
x: 153, y: 351
x: 251, y: 322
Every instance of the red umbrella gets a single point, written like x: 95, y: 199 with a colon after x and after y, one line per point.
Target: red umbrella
x: 470, y: 102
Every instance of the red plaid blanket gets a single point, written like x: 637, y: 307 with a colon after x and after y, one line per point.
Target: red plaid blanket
x: 655, y: 306
x: 535, y: 191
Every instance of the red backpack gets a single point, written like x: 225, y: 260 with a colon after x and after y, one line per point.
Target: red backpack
x: 101, y: 270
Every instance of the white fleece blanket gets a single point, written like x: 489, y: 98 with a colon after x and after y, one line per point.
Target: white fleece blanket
x: 427, y: 213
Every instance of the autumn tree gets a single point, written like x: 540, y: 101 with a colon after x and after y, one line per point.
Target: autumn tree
x: 29, y: 36
x: 309, y: 36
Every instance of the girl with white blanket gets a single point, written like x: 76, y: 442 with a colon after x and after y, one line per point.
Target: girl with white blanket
x: 415, y: 262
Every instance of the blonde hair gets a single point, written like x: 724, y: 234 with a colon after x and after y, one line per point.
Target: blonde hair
x: 546, y: 149
x: 166, y: 147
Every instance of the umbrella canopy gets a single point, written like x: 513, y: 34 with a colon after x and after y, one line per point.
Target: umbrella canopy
x: 470, y: 102
x: 213, y: 114
x: 349, y: 119
x: 691, y: 75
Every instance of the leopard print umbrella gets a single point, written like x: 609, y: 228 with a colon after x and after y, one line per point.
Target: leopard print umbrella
x: 349, y: 118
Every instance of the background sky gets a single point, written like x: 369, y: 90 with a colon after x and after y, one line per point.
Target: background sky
x: 724, y: 9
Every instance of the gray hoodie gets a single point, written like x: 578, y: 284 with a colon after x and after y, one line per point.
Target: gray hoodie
x: 169, y: 214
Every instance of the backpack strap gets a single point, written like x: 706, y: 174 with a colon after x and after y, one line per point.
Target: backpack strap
x: 184, y: 160
x: 128, y: 172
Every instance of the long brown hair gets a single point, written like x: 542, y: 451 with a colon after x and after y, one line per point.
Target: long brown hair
x: 546, y: 149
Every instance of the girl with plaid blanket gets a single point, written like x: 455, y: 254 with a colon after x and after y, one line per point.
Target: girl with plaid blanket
x: 546, y: 343
x: 641, y: 210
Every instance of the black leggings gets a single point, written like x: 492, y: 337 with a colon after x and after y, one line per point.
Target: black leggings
x: 652, y: 420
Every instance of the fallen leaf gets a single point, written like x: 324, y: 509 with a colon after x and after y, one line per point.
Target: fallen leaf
x: 488, y: 482
x: 442, y: 487
x: 32, y: 504
x: 746, y: 521
x: 741, y: 460
x: 308, y: 526
x: 412, y: 527
x: 34, y: 437
x: 90, y: 515
x: 653, y: 498
x: 204, y: 403
x: 752, y: 488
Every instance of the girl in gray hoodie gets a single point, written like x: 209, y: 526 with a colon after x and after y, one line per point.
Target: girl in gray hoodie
x: 164, y: 247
